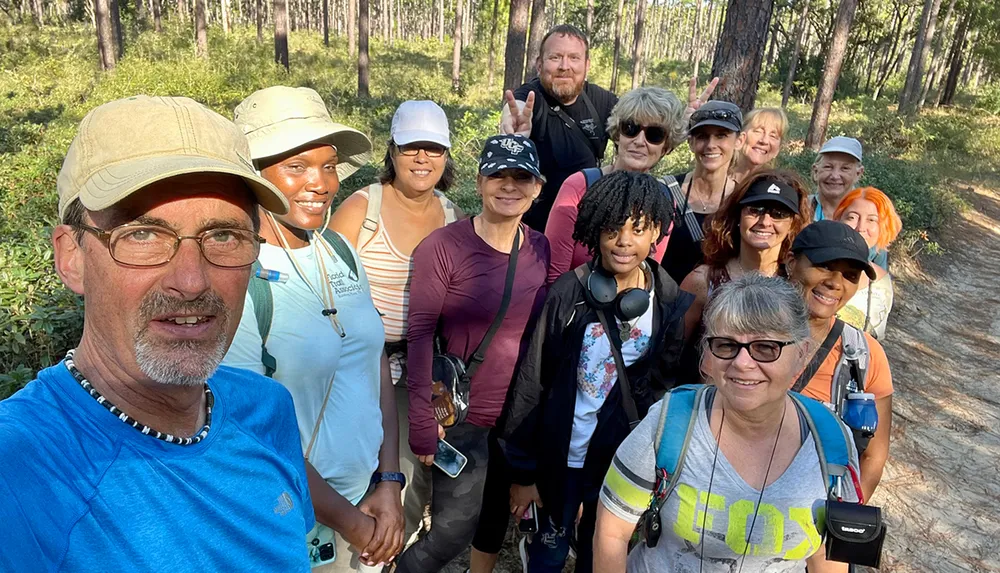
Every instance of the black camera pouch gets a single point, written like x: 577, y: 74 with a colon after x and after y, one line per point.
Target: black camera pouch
x: 855, y: 533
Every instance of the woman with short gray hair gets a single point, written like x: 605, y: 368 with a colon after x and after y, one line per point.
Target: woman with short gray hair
x: 645, y: 125
x: 750, y: 452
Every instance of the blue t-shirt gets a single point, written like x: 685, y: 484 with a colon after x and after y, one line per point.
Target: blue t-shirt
x: 82, y: 491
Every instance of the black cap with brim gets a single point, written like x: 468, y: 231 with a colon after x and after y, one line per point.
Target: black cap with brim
x: 772, y: 191
x: 509, y: 152
x: 826, y: 240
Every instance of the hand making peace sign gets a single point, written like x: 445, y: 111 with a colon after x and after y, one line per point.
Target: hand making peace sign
x: 694, y: 100
x: 516, y: 119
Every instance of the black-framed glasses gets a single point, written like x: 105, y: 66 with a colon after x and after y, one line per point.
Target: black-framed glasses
x: 762, y: 351
x: 655, y: 134
x: 776, y: 213
x: 732, y: 117
x: 143, y: 245
x: 429, y: 149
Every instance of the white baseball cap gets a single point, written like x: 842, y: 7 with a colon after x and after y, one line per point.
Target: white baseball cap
x: 419, y: 120
x: 841, y: 144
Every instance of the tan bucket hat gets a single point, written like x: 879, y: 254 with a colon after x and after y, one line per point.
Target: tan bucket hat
x: 127, y: 144
x: 279, y: 119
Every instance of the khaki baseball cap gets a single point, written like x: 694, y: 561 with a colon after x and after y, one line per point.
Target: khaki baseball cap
x: 279, y: 119
x: 127, y: 144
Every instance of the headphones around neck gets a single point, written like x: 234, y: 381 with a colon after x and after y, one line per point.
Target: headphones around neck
x: 602, y: 292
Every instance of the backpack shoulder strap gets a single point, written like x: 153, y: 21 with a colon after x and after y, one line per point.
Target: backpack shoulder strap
x: 833, y: 443
x: 263, y: 309
x: 852, y: 369
x: 450, y: 215
x: 677, y: 420
x: 342, y: 249
x: 370, y: 225
x: 591, y: 175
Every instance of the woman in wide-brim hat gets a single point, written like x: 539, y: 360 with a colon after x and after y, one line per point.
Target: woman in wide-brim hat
x: 325, y: 338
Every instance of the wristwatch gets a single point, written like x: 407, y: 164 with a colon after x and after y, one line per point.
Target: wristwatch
x: 379, y: 477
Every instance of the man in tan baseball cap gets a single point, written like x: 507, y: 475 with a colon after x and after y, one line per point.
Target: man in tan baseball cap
x: 138, y: 451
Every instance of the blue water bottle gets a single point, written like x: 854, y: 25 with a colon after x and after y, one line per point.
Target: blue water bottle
x: 861, y: 415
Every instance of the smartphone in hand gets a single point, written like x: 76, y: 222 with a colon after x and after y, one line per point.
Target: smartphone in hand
x: 449, y: 460
x: 529, y: 520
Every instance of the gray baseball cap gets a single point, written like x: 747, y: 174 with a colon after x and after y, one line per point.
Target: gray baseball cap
x: 841, y: 144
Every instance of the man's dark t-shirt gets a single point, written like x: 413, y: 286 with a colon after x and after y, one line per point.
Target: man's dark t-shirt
x: 561, y: 151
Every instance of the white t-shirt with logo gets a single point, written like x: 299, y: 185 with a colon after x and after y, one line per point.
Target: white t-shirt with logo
x: 308, y: 352
x: 596, y: 376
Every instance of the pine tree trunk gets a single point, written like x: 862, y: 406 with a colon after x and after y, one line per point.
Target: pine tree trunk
x: 937, y: 62
x: 200, y: 29
x: 157, y: 16
x: 590, y: 20
x: 537, y: 30
x: 225, y: 16
x: 640, y: 22
x: 259, y: 16
x: 116, y: 26
x: 517, y: 29
x: 493, y: 44
x: 740, y: 50
x: 363, y: 32
x: 326, y: 23
x: 616, y: 62
x: 105, y: 34
x: 969, y: 60
x: 694, y: 56
x: 947, y: 93
x: 793, y: 63
x: 773, y: 44
x: 440, y: 19
x: 456, y: 52
x: 280, y: 11
x: 915, y: 72
x: 352, y: 28
x: 831, y: 74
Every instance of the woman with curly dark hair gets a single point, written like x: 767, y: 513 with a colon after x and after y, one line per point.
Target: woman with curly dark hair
x: 565, y: 417
x: 751, y: 233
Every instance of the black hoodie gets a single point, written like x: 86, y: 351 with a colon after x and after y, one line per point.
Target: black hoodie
x: 537, y: 424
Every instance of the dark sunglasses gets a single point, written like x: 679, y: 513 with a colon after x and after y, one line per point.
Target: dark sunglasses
x: 762, y: 351
x: 776, y: 213
x: 654, y: 133
x: 717, y: 114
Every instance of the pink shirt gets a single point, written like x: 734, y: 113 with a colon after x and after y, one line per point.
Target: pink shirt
x: 567, y: 254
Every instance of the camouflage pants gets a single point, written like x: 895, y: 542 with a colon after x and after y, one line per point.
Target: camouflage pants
x: 455, y: 505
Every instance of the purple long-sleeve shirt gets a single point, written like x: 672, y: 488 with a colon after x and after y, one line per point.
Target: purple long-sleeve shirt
x: 456, y: 289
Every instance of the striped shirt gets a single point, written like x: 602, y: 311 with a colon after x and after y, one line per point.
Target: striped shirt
x: 388, y: 272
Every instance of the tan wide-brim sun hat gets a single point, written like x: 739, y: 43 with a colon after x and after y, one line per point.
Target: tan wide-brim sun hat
x: 128, y: 144
x: 279, y: 119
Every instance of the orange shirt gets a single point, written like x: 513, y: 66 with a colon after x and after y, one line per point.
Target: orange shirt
x: 878, y: 380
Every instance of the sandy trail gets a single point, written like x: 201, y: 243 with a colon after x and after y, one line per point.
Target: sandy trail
x: 941, y: 489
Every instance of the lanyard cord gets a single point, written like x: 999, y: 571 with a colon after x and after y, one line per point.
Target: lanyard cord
x: 760, y: 498
x: 326, y: 299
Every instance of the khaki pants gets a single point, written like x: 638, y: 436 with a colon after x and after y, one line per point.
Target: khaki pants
x: 417, y: 493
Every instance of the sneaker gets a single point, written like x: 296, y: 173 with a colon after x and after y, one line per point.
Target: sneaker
x: 522, y: 550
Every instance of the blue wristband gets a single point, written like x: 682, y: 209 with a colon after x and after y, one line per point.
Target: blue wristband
x: 379, y: 477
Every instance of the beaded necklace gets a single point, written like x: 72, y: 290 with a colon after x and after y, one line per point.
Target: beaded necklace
x: 86, y: 385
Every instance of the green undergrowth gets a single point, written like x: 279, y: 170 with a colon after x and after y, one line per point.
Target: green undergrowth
x: 49, y: 79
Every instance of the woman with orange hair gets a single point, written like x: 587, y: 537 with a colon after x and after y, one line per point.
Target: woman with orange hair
x: 750, y: 234
x: 871, y: 213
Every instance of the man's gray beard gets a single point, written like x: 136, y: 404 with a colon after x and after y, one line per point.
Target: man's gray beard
x: 186, y: 362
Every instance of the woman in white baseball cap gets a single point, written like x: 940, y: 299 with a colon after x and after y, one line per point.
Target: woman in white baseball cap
x: 309, y: 323
x: 385, y: 222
